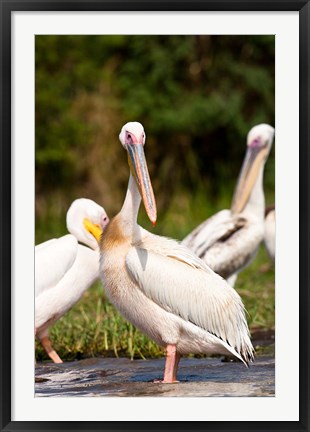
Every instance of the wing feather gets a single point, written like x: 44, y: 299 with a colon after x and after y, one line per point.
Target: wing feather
x: 53, y: 259
x: 170, y: 248
x: 226, y: 242
x: 193, y: 293
x: 53, y: 303
x: 218, y: 227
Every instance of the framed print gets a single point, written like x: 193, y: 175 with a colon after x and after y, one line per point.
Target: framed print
x: 198, y: 76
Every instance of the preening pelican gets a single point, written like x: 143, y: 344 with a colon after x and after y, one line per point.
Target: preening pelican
x: 270, y: 231
x: 228, y: 240
x: 161, y: 286
x: 65, y: 269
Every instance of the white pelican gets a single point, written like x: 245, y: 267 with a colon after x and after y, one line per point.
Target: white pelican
x: 162, y: 287
x: 269, y: 234
x: 65, y: 269
x: 228, y: 240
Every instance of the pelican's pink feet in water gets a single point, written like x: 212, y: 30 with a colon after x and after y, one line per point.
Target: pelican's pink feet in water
x: 171, y: 366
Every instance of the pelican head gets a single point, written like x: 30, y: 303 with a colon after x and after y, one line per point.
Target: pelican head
x: 132, y: 137
x: 259, y: 142
x: 86, y: 220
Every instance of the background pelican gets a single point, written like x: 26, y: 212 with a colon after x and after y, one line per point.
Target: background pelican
x: 160, y: 285
x: 270, y: 231
x: 228, y: 240
x: 65, y: 269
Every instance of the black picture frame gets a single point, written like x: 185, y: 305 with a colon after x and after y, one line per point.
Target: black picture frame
x: 6, y: 9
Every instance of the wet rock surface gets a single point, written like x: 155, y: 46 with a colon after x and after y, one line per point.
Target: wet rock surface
x: 123, y: 377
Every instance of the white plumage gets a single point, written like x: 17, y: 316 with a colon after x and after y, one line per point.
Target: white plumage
x: 228, y: 240
x: 162, y: 287
x: 64, y: 269
x: 270, y: 232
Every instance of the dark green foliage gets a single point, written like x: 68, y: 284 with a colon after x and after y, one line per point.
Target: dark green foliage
x: 197, y: 97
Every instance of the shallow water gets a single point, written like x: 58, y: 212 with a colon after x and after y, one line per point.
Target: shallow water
x: 123, y: 377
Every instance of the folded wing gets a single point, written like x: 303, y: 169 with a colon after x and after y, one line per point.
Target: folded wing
x: 53, y: 259
x: 226, y: 242
x: 195, y: 293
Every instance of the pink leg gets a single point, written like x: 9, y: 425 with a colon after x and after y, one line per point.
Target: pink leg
x: 171, y: 367
x: 46, y: 343
x: 176, y: 365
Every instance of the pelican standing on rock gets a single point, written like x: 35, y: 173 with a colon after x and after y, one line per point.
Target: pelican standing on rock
x: 229, y: 240
x: 162, y: 287
x: 64, y: 269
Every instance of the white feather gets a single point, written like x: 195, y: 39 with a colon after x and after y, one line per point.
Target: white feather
x: 182, y: 284
x: 225, y: 242
x: 53, y: 259
x: 53, y: 303
x: 64, y: 269
x: 270, y: 234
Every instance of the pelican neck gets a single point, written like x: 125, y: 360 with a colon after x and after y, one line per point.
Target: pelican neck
x: 256, y: 201
x: 130, y: 209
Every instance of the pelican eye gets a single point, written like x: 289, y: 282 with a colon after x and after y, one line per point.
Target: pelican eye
x: 129, y: 138
x: 257, y: 142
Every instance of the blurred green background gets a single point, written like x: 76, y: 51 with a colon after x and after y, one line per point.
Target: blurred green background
x: 197, y: 97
